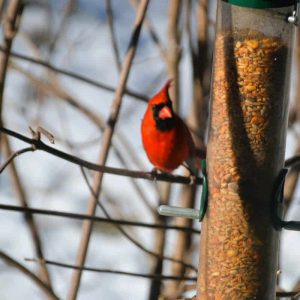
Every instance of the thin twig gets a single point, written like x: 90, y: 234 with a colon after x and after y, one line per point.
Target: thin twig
x: 141, y: 275
x: 296, y: 287
x: 199, y: 111
x: 130, y: 238
x: 106, y: 142
x: 159, y: 242
x: 172, y: 60
x: 56, y: 213
x: 74, y: 75
x: 154, y: 36
x: 174, y: 50
x: 13, y: 156
x: 172, y: 290
x: 10, y: 29
x: 39, y: 145
x: 61, y: 28
x: 9, y: 260
x: 291, y: 182
x: 182, y: 243
x: 197, y: 121
x: 22, y: 198
x: 55, y: 88
x: 296, y: 296
x: 110, y: 20
x: 294, y: 116
x: 2, y: 5
x: 292, y: 162
x: 287, y: 294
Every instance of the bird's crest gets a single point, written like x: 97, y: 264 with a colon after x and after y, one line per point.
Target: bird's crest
x: 163, y: 94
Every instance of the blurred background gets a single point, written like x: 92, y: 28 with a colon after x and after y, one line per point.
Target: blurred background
x: 82, y: 45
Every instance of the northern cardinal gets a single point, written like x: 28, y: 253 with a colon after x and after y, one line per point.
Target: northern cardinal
x: 167, y: 140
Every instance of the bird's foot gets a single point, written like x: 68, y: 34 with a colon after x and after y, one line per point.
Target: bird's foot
x: 192, y: 175
x: 193, y: 179
x: 154, y: 173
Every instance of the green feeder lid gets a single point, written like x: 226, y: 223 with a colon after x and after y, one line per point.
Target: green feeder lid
x: 262, y: 3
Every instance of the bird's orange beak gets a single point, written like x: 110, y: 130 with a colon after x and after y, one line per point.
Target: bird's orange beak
x: 165, y: 113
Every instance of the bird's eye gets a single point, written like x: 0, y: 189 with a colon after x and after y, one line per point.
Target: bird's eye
x: 154, y: 108
x: 169, y: 103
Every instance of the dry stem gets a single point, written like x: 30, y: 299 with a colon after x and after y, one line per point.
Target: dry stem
x: 29, y: 274
x: 106, y: 142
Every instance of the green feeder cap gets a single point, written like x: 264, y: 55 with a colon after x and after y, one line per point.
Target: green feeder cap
x: 261, y: 3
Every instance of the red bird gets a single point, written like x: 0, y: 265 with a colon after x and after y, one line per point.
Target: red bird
x: 166, y: 139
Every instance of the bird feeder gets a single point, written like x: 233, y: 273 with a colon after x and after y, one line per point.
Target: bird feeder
x: 246, y: 147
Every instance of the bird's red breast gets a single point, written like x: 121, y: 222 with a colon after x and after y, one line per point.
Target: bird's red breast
x: 166, y: 138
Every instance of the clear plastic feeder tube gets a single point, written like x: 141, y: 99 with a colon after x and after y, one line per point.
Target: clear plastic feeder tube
x: 247, y: 135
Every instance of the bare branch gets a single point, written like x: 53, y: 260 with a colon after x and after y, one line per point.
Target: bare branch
x: 153, y: 34
x: 293, y: 295
x: 110, y: 19
x: 69, y: 6
x: 199, y: 112
x: 29, y: 274
x: 55, y: 88
x: 130, y: 238
x: 22, y: 198
x: 182, y: 243
x: 153, y: 276
x: 292, y: 162
x: 296, y: 296
x: 174, y: 50
x: 2, y: 4
x: 56, y: 213
x: 294, y: 115
x: 197, y: 121
x: 160, y: 239
x: 296, y: 287
x: 13, y: 156
x: 106, y: 142
x: 172, y: 57
x: 39, y: 145
x: 73, y: 75
x: 10, y: 29
x: 291, y: 181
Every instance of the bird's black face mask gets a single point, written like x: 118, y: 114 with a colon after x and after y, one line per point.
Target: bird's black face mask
x: 163, y: 116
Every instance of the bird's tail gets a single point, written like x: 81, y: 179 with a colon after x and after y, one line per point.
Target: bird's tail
x: 194, y: 160
x: 200, y: 152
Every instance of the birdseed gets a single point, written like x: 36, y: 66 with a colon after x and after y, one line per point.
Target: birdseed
x: 245, y: 153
